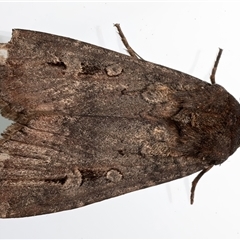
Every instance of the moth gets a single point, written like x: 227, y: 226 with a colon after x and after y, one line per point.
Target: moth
x: 91, y: 124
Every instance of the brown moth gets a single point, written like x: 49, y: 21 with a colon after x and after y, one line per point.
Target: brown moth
x: 92, y: 124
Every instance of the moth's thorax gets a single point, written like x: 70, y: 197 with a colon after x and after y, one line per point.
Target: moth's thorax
x: 210, y: 127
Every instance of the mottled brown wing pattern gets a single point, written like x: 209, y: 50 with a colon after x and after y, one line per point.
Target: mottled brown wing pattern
x: 91, y: 124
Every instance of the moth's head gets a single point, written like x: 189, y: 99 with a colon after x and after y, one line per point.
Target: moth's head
x: 228, y: 134
x: 213, y: 134
x: 234, y: 119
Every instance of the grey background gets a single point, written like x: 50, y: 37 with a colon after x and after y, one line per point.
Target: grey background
x: 180, y: 35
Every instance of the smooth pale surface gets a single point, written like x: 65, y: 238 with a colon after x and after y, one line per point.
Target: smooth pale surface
x: 183, y: 36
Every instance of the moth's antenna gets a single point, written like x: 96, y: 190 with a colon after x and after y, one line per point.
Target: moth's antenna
x: 195, y: 181
x: 212, y: 77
